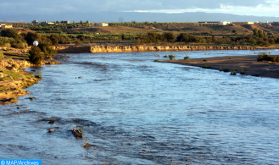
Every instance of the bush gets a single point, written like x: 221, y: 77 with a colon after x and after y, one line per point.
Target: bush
x: 233, y: 73
x: 171, y: 57
x: 55, y: 38
x: 36, y: 56
x: 47, y: 50
x: 6, y: 40
x: 263, y: 56
x: 226, y: 70
x: 20, y: 45
x: 13, y: 33
x: 32, y: 36
x: 186, y: 58
x: 169, y: 36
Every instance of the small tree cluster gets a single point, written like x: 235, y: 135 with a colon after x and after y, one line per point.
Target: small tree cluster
x: 156, y: 38
x: 35, y: 55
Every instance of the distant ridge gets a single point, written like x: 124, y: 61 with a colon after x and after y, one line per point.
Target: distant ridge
x: 136, y: 16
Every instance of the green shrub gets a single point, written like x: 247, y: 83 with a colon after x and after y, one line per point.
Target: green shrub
x: 206, y: 67
x: 46, y: 48
x: 20, y: 45
x: 171, y: 57
x: 36, y: 56
x: 6, y: 40
x: 263, y: 56
x: 204, y: 60
x: 165, y: 56
x: 186, y: 58
x: 233, y: 73
x: 169, y: 36
x: 242, y: 72
x: 226, y: 70
x: 13, y: 33
x: 32, y: 36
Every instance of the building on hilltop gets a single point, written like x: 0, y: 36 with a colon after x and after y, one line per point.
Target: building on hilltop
x: 208, y: 22
x: 243, y: 23
x: 35, y: 21
x: 66, y: 22
x: 49, y: 23
x: 100, y: 24
x: 4, y: 26
x: 224, y: 23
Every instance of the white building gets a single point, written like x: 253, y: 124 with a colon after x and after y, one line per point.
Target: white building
x: 223, y: 23
x: 100, y: 24
x: 4, y: 26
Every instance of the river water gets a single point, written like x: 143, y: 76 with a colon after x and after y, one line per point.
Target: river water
x: 136, y: 111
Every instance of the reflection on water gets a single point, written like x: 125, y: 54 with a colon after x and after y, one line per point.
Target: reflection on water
x: 135, y: 111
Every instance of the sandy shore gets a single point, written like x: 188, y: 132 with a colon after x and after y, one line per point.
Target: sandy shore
x: 247, y: 65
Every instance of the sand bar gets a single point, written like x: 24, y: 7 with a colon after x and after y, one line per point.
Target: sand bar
x: 245, y: 64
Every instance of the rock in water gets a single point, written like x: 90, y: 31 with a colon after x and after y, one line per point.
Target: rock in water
x: 77, y: 133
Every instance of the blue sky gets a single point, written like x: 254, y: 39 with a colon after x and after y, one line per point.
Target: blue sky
x: 269, y: 8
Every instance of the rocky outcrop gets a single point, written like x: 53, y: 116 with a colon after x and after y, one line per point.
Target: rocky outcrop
x: 143, y: 48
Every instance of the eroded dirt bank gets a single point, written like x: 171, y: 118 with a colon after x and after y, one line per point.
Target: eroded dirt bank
x: 247, y: 65
x: 143, y: 48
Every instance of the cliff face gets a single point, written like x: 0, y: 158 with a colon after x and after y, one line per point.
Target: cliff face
x: 142, y: 48
x: 107, y: 49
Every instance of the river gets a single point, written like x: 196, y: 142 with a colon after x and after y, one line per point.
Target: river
x: 136, y: 111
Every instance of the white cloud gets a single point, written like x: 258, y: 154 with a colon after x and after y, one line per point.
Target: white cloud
x: 271, y: 9
x: 47, y: 7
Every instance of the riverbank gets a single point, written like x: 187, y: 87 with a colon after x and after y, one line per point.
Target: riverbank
x: 146, y: 48
x: 246, y: 65
x: 13, y: 79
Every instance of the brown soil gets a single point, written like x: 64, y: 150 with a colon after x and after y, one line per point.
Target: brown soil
x: 245, y: 64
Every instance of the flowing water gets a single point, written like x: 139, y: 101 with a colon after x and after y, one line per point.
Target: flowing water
x: 136, y: 111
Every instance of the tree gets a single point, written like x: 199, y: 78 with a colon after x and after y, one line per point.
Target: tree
x: 169, y: 36
x: 33, y: 36
x: 12, y: 33
x: 54, y: 39
x: 260, y: 33
x: 255, y: 32
x: 47, y: 50
x: 35, y: 55
x: 234, y: 31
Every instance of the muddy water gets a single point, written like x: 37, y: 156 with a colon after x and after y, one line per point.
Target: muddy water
x: 134, y: 111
